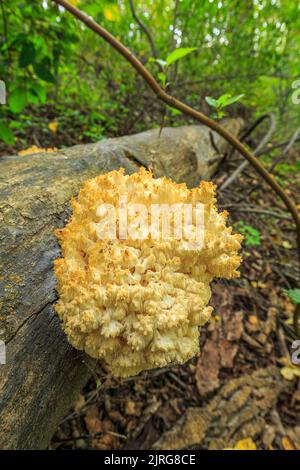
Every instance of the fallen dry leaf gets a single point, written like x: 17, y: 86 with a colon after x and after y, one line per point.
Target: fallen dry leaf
x: 253, y: 319
x: 245, y: 444
x: 130, y: 408
x: 290, y: 372
x: 53, y: 125
x: 286, y: 444
x: 92, y: 420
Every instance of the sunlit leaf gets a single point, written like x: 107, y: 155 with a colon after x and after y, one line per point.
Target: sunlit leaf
x: 161, y: 62
x: 174, y: 111
x: 162, y: 78
x: 227, y: 100
x: 179, y: 54
x: 211, y: 101
x: 111, y: 12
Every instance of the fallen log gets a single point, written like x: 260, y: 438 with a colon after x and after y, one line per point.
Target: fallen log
x: 43, y: 373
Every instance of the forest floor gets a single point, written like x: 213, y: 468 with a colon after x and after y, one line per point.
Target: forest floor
x: 251, y: 329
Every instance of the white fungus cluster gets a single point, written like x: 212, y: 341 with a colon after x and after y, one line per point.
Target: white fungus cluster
x: 139, y: 303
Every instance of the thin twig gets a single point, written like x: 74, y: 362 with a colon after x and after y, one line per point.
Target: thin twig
x: 143, y: 28
x: 188, y: 110
x: 4, y: 19
x: 174, y: 25
x: 260, y: 211
x: 288, y: 145
x: 262, y: 143
x: 285, y: 150
x: 90, y: 436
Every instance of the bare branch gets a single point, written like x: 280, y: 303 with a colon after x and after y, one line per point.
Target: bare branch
x: 143, y: 28
x: 262, y: 143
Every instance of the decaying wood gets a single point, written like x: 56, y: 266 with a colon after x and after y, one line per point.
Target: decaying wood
x: 237, y: 411
x: 43, y: 372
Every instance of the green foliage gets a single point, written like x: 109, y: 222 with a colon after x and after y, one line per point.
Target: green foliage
x: 225, y: 100
x: 178, y: 54
x: 53, y: 66
x: 6, y: 133
x: 294, y: 295
x: 251, y: 235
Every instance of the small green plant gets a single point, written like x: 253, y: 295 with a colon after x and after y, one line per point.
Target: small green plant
x: 176, y: 55
x: 252, y: 236
x: 294, y: 295
x: 221, y: 103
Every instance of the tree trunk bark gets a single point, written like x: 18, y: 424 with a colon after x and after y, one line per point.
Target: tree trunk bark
x: 43, y: 373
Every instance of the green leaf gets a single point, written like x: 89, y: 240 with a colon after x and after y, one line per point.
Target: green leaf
x: 6, y: 134
x: 27, y: 54
x: 222, y: 100
x: 252, y: 236
x: 40, y: 91
x: 17, y: 100
x: 162, y: 78
x: 179, y: 54
x: 174, y: 111
x: 294, y: 295
x: 220, y: 114
x: 211, y: 101
x: 43, y: 70
x: 161, y: 62
x: 226, y: 100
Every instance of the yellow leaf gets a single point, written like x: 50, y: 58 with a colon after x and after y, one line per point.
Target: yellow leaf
x: 74, y: 2
x: 286, y: 444
x: 53, y: 126
x: 286, y: 245
x: 253, y: 319
x: 290, y: 372
x: 245, y: 444
x: 260, y: 285
x: 284, y: 361
x: 111, y: 12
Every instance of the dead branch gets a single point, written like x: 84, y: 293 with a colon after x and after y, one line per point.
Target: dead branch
x: 262, y: 143
x: 144, y: 29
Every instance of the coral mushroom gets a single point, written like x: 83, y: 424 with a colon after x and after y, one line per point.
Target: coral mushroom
x: 138, y: 301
